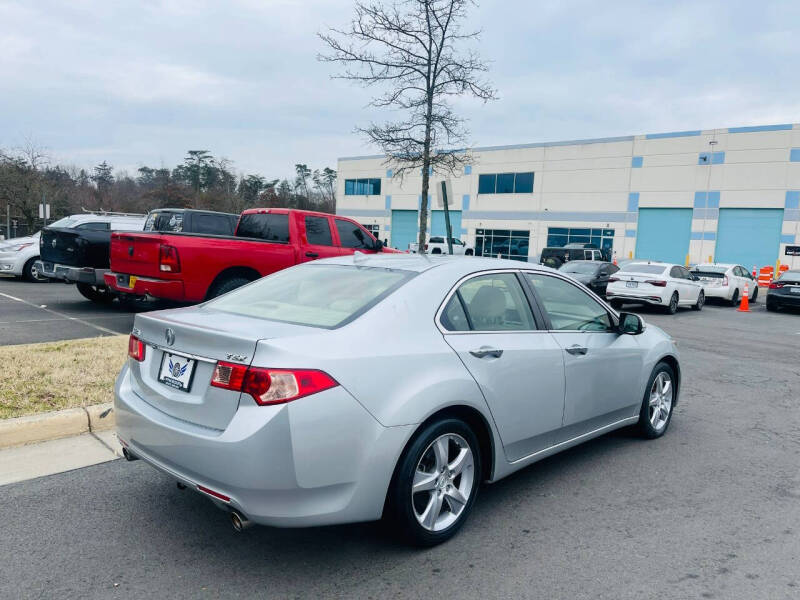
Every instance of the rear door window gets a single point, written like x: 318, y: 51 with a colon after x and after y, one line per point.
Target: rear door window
x: 352, y: 236
x: 318, y: 231
x: 495, y: 302
x: 273, y: 227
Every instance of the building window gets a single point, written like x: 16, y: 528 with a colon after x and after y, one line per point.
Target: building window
x: 502, y: 243
x: 362, y: 187
x: 505, y: 183
x: 558, y: 237
x: 373, y: 229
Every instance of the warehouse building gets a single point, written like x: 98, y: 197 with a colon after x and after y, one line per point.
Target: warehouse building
x: 727, y: 195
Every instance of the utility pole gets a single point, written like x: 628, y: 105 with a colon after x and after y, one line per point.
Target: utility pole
x: 8, y: 220
x: 447, y: 218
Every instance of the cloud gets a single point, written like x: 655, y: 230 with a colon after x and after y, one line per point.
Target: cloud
x: 140, y: 83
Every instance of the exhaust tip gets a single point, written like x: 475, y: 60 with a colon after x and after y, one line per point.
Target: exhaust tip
x: 129, y: 456
x: 239, y: 521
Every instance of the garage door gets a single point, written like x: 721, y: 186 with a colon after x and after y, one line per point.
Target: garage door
x: 663, y: 234
x: 749, y: 236
x: 404, y: 228
x: 438, y: 226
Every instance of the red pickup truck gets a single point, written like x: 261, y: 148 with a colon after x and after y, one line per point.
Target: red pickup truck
x: 187, y: 267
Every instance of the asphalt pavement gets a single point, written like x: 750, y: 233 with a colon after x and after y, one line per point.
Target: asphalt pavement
x: 44, y: 312
x: 711, y: 510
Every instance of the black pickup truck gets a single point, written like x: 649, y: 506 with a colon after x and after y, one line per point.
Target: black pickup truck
x: 79, y: 252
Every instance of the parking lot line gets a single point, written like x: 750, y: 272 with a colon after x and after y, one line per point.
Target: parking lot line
x: 60, y: 314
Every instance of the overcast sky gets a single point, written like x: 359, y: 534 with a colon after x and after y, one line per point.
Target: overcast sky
x: 140, y: 82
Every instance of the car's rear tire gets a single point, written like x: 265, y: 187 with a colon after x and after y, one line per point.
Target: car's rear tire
x: 435, y: 483
x: 436, y: 251
x: 97, y: 294
x: 227, y: 285
x: 31, y: 273
x: 658, y: 402
x: 771, y: 306
x: 755, y: 294
x: 616, y: 304
x: 672, y: 307
x: 735, y: 297
x: 468, y: 252
x: 701, y: 300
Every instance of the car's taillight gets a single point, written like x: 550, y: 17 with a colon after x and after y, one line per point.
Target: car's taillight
x: 270, y: 386
x: 135, y: 348
x: 657, y: 282
x: 724, y: 281
x: 168, y: 259
x: 613, y: 279
x: 775, y: 285
x: 426, y: 246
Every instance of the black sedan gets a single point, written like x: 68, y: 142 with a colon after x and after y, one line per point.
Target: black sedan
x: 594, y: 274
x: 784, y: 291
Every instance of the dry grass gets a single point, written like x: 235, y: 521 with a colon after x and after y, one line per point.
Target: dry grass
x: 55, y: 375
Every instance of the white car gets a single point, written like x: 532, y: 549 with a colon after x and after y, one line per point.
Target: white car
x: 726, y: 281
x: 438, y: 245
x: 18, y: 255
x: 655, y: 283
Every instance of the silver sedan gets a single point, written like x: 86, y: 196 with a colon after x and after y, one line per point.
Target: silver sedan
x: 363, y: 387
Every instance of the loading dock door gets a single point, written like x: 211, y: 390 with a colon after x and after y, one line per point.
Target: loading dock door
x: 404, y: 228
x: 749, y: 236
x: 663, y: 234
x: 438, y: 226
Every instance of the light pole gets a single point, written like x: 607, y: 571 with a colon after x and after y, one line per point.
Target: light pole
x: 710, y: 161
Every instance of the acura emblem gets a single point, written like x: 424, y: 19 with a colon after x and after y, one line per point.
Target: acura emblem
x: 169, y: 335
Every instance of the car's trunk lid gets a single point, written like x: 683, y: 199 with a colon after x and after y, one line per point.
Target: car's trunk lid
x: 199, y: 338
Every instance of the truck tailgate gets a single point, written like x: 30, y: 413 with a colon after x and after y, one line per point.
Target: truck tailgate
x: 136, y: 253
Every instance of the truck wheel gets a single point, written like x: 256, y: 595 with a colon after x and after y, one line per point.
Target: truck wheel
x: 31, y: 273
x: 97, y: 294
x: 227, y: 285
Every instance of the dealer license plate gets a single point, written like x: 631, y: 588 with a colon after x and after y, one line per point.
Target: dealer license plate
x: 176, y: 371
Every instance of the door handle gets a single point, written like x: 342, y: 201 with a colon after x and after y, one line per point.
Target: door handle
x: 577, y: 350
x: 312, y: 254
x: 485, y: 351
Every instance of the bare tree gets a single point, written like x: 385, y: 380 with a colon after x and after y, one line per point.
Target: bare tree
x: 413, y: 50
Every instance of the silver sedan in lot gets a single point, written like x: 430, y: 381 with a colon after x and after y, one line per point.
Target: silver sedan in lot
x: 362, y: 387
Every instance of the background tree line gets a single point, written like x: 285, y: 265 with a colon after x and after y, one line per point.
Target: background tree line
x: 201, y: 181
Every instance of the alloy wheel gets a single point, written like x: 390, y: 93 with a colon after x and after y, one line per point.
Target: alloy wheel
x: 660, y: 401
x: 443, y: 482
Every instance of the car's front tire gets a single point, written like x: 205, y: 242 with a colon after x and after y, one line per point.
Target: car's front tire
x: 31, y: 273
x: 701, y: 300
x: 435, y: 483
x: 658, y: 402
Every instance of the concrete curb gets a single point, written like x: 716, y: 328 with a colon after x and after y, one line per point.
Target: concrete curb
x: 57, y: 424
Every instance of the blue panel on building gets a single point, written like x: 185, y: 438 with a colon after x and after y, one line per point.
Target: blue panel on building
x: 794, y: 155
x: 438, y: 225
x: 749, y: 236
x: 663, y: 234
x: 637, y: 161
x: 404, y: 228
x: 633, y: 201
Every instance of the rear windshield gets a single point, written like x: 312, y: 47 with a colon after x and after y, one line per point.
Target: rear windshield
x: 791, y: 275
x: 164, y: 221
x: 710, y: 271
x: 326, y: 296
x: 578, y: 267
x: 66, y: 222
x: 643, y: 268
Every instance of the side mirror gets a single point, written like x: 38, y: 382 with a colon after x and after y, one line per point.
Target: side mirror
x: 378, y: 246
x: 630, y: 324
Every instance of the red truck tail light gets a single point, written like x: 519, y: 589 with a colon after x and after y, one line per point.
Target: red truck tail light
x: 168, y: 259
x: 657, y: 282
x: 270, y: 386
x: 136, y: 348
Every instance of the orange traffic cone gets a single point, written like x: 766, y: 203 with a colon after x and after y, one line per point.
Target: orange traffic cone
x: 615, y: 259
x: 744, y: 306
x: 755, y: 272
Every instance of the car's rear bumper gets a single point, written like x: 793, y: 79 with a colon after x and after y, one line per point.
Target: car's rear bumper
x: 168, y: 289
x: 320, y: 460
x: 635, y: 298
x: 719, y: 291
x: 71, y: 274
x: 784, y: 299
